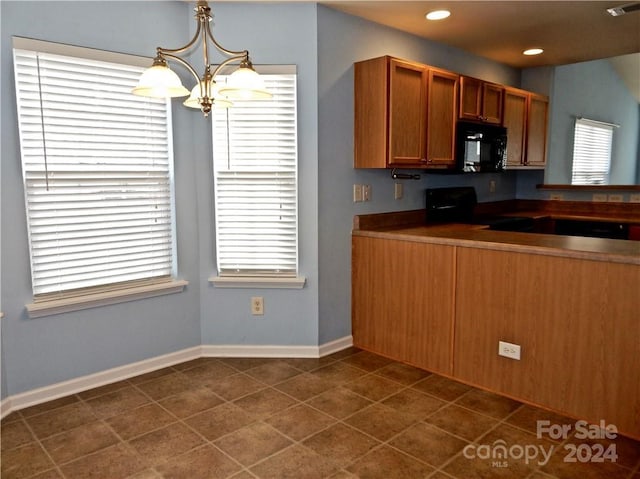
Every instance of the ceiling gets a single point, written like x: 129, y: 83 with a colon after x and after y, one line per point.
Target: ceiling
x: 568, y: 31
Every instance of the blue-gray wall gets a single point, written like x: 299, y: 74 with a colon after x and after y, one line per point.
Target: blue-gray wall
x: 274, y: 34
x: 44, y: 351
x: 594, y: 90
x: 40, y: 352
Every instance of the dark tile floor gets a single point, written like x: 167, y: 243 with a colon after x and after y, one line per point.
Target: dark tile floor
x: 351, y: 414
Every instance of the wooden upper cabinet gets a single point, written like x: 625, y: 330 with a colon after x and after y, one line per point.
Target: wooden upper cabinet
x: 492, y: 96
x: 405, y: 116
x: 407, y: 113
x: 515, y: 121
x: 470, y: 98
x: 537, y: 119
x: 480, y: 101
x: 525, y: 118
x: 389, y: 113
x: 371, y: 122
x: 441, y: 118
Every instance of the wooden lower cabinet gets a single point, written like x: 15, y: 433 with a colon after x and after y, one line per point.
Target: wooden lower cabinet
x: 444, y: 309
x: 402, y: 301
x: 578, y: 325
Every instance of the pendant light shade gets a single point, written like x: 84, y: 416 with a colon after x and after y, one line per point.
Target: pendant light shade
x: 245, y: 84
x: 195, y: 99
x: 158, y: 81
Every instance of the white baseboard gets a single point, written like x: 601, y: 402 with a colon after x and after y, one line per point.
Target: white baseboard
x: 335, y: 346
x: 76, y: 385
x: 5, y: 407
x: 257, y: 351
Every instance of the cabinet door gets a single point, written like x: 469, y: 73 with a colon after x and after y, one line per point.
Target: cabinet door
x: 492, y: 103
x: 537, y: 130
x: 470, y: 98
x: 515, y: 120
x: 407, y: 113
x: 442, y: 94
x: 402, y: 300
x: 480, y: 101
x: 370, y: 123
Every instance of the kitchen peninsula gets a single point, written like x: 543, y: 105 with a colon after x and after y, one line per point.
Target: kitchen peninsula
x: 442, y: 296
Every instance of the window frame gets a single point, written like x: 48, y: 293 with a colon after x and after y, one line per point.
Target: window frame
x: 268, y: 278
x: 67, y: 300
x: 593, y: 134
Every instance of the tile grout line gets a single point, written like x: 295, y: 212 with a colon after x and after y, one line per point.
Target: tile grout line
x: 405, y: 386
x: 376, y: 372
x: 38, y: 441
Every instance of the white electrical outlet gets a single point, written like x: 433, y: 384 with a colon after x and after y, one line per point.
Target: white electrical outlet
x: 599, y: 197
x: 357, y: 193
x: 556, y: 196
x: 257, y: 305
x: 397, y: 191
x: 492, y: 186
x: 617, y: 198
x: 509, y: 350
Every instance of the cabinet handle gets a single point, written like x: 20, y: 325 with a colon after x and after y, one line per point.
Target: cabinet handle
x: 423, y: 160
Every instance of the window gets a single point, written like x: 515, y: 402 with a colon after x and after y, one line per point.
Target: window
x: 591, y: 152
x: 97, y: 168
x: 255, y: 174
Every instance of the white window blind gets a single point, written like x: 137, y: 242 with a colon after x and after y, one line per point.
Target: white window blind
x: 97, y: 168
x: 591, y: 152
x: 255, y: 170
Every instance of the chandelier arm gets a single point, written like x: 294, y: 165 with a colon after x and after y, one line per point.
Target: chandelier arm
x: 166, y: 51
x: 183, y: 63
x: 226, y: 62
x: 208, y: 34
x: 207, y: 88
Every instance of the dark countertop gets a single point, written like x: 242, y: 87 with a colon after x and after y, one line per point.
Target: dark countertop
x: 475, y: 236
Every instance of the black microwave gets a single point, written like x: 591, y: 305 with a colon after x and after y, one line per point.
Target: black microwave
x: 480, y: 148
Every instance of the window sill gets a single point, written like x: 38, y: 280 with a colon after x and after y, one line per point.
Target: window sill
x: 297, y: 282
x: 66, y: 305
x: 589, y: 187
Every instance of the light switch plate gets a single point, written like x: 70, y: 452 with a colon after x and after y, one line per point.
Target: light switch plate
x: 397, y: 191
x: 357, y: 194
x: 366, y: 192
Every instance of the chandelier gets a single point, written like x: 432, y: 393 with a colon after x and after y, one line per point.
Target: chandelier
x: 159, y: 81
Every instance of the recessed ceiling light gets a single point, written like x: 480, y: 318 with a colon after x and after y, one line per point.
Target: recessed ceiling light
x: 438, y: 14
x: 533, y: 51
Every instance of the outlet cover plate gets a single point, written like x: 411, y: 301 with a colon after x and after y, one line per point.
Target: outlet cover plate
x: 257, y: 305
x: 509, y: 350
